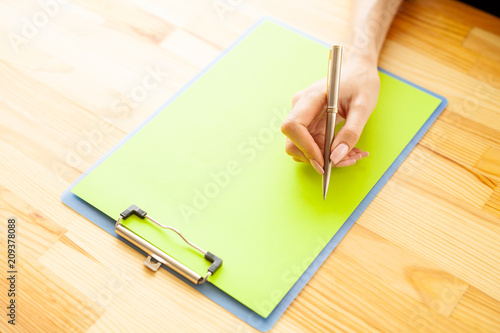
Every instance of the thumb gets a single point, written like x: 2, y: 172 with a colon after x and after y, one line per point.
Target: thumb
x: 349, y: 134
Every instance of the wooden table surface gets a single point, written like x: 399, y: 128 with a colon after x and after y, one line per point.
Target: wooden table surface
x: 424, y: 256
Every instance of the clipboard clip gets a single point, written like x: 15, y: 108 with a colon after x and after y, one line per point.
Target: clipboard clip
x: 157, y: 257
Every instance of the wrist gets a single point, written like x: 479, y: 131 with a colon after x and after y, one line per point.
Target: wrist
x: 361, y: 48
x: 365, y: 57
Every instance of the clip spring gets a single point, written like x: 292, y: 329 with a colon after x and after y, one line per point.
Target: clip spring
x: 156, y: 257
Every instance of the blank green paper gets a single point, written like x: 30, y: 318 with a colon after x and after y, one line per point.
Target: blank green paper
x: 212, y: 164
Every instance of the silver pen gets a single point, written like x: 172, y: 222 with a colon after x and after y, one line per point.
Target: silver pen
x: 332, y: 91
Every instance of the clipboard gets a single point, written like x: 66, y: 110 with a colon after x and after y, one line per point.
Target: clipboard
x: 209, y: 290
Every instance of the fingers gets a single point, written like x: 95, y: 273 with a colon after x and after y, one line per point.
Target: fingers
x: 307, y: 107
x: 298, y: 156
x: 349, y: 134
x: 345, y: 163
x: 295, y: 126
x: 351, y: 158
x: 292, y: 150
x: 357, y: 154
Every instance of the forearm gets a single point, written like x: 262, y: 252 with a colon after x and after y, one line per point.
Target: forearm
x: 370, y: 21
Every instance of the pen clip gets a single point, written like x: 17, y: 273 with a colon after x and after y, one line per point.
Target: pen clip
x: 333, y: 77
x: 328, y: 73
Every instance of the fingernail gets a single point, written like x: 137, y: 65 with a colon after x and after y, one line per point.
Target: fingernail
x: 339, y: 153
x: 317, y: 167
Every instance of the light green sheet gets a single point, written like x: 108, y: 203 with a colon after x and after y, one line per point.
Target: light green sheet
x: 213, y: 165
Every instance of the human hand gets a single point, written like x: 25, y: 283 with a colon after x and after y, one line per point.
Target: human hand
x: 305, y: 124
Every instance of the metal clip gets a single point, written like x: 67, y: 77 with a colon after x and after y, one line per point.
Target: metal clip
x: 158, y: 255
x: 154, y: 266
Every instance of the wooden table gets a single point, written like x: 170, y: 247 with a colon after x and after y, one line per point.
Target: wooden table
x: 424, y: 256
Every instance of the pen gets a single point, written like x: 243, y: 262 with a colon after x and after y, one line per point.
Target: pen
x: 332, y: 91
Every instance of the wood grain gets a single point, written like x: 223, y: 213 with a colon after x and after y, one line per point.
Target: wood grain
x: 493, y: 203
x: 483, y: 42
x: 423, y: 257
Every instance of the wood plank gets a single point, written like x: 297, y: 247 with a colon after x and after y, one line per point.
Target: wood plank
x: 464, y: 13
x: 95, y: 279
x: 130, y: 19
x: 467, y: 97
x: 493, y: 203
x: 485, y: 134
x: 487, y: 71
x: 47, y: 303
x: 442, y: 176
x: 431, y: 21
x: 447, y: 139
x: 37, y: 232
x: 33, y: 189
x: 190, y: 48
x: 461, y: 239
x: 177, y: 13
x: 484, y: 42
x: 478, y: 311
x: 123, y: 90
x: 346, y: 298
x: 74, y: 146
x: 220, y: 31
x: 489, y: 164
x: 401, y: 269
x: 414, y: 28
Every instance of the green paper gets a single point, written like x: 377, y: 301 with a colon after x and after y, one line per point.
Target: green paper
x: 213, y: 165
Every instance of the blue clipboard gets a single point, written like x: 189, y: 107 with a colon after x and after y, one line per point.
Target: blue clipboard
x: 209, y: 290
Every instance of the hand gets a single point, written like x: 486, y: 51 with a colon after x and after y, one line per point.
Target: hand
x: 305, y: 124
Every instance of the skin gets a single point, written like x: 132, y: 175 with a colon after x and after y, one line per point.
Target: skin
x: 358, y: 95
